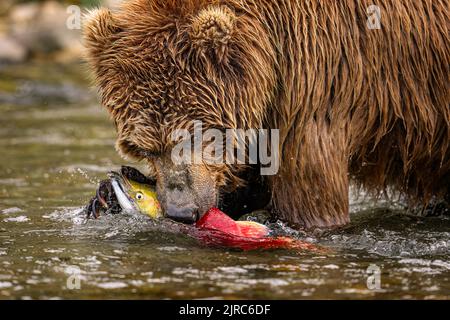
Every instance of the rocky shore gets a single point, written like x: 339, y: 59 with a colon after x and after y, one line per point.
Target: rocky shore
x: 47, y: 29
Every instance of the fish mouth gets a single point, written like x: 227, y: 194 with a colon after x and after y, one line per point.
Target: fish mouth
x: 121, y: 186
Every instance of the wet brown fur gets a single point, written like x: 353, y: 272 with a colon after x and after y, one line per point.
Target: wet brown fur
x: 350, y: 102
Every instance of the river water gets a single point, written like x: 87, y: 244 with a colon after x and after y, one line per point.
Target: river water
x: 56, y: 144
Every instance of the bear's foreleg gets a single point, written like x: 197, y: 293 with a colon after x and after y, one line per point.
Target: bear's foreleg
x: 311, y: 188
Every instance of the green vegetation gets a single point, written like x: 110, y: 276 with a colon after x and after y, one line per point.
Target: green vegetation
x: 90, y: 3
x: 84, y: 3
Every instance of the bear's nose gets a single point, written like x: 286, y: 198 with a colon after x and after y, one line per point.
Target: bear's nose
x: 186, y: 214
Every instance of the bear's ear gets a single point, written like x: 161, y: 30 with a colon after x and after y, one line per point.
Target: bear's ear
x: 98, y: 30
x: 212, y: 29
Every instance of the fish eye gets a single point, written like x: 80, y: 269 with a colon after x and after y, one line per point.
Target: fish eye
x: 139, y: 196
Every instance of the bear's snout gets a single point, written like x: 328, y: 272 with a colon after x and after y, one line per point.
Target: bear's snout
x: 185, y: 214
x: 180, y: 201
x: 185, y: 191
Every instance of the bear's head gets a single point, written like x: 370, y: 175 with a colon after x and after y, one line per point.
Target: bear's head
x: 162, y: 66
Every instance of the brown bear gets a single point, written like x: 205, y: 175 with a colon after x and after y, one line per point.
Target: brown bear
x: 357, y: 92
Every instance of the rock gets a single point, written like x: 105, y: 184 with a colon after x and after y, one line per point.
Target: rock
x: 5, y: 6
x: 11, y: 50
x: 24, y: 13
x: 42, y: 28
x: 112, y: 4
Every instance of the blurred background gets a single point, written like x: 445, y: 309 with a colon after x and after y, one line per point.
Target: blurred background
x: 39, y: 38
x: 50, y: 118
x: 56, y: 142
x: 32, y: 29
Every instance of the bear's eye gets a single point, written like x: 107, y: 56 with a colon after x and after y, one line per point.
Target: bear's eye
x: 147, y: 153
x: 139, y: 196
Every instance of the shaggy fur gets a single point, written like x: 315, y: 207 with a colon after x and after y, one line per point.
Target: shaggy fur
x: 350, y: 102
